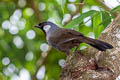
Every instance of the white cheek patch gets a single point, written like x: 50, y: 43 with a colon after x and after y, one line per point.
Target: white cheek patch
x: 46, y: 28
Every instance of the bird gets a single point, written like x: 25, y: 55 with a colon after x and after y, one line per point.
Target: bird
x: 64, y: 39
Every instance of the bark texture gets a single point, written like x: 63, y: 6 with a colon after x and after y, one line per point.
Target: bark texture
x: 92, y: 64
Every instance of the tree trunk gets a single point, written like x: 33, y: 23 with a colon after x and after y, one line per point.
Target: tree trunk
x: 92, y: 64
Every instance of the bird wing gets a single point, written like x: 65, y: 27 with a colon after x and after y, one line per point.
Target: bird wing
x: 72, y: 32
x: 67, y: 35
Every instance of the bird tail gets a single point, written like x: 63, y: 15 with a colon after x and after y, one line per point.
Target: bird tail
x: 100, y: 45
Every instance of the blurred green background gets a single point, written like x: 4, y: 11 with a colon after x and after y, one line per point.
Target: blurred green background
x: 24, y: 52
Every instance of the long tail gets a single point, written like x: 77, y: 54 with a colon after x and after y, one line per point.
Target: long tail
x: 100, y: 45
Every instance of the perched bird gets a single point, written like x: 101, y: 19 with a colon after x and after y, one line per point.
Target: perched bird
x: 65, y: 39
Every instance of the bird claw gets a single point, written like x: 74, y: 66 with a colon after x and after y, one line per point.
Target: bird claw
x: 68, y: 59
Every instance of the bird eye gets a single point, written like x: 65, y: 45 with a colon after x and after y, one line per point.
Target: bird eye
x: 40, y: 24
x: 46, y: 28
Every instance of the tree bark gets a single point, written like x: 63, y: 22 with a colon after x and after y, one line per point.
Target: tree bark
x: 92, y: 64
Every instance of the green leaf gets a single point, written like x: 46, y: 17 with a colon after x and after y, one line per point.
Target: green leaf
x: 91, y: 2
x: 79, y: 19
x: 116, y: 9
x: 96, y: 20
x: 85, y: 30
x: 106, y: 18
x: 63, y: 2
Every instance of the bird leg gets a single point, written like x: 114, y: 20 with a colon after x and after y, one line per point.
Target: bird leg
x: 75, y: 51
x: 69, y: 56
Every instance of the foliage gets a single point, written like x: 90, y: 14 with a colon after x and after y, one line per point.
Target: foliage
x: 20, y: 42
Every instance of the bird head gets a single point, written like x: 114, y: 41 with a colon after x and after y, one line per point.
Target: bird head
x: 47, y: 26
x: 41, y: 25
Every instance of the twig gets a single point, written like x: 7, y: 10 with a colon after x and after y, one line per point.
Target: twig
x: 78, y: 3
x: 43, y: 59
x: 106, y: 7
x: 37, y: 13
x: 77, y: 11
x: 41, y: 62
x: 103, y: 5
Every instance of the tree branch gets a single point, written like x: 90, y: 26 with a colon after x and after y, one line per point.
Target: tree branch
x: 106, y: 7
x: 37, y: 13
x: 41, y: 62
x: 80, y: 5
x: 45, y: 55
x: 92, y: 64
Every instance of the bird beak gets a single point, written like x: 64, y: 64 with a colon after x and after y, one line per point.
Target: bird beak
x: 37, y: 26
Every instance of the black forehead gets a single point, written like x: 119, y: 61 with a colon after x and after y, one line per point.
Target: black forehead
x: 41, y: 23
x: 44, y: 23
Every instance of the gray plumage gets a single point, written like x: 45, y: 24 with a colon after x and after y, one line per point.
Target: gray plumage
x: 65, y: 39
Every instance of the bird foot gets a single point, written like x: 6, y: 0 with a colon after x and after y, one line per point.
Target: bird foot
x: 68, y: 59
